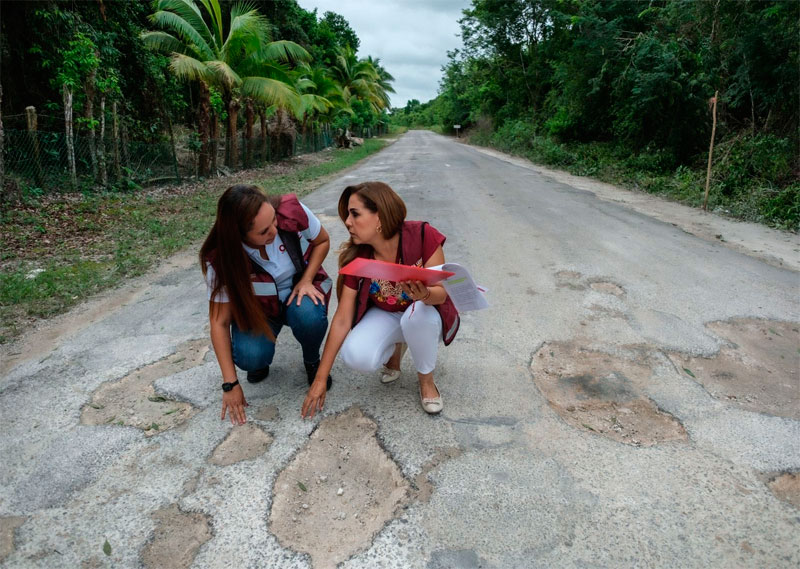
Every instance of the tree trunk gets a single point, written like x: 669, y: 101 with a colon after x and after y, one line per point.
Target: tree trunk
x: 89, y: 88
x: 115, y: 132
x: 203, y: 110
x: 233, y: 117
x: 69, y: 136
x: 214, y: 142
x: 101, y: 148
x: 248, y: 132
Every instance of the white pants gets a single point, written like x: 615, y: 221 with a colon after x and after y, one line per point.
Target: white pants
x: 370, y: 344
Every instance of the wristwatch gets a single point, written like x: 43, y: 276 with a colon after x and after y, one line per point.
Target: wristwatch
x: 227, y: 386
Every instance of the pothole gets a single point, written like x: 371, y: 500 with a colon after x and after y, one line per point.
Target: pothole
x: 338, y: 492
x: 602, y: 393
x: 607, y: 288
x: 787, y: 488
x: 133, y: 402
x: 8, y: 525
x: 424, y: 486
x: 569, y: 279
x: 759, y: 371
x: 242, y: 443
x: 177, y: 537
x: 268, y: 413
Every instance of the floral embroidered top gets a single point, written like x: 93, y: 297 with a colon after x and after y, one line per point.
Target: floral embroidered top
x: 388, y: 295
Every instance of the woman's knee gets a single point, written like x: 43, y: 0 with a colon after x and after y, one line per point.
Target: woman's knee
x: 252, y: 353
x: 359, y: 357
x: 308, y: 317
x: 422, y: 319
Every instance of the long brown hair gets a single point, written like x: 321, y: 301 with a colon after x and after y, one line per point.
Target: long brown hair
x: 236, y: 210
x: 379, y: 198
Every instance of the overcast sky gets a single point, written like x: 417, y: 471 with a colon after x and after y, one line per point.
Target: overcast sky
x: 411, y: 38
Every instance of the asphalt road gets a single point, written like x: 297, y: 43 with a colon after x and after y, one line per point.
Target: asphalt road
x: 510, y: 482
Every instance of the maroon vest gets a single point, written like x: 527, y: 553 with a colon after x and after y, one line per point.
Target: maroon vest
x: 411, y: 240
x: 291, y: 219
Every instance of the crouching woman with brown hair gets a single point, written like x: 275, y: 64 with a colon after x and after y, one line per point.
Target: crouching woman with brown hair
x: 376, y: 319
x: 262, y: 262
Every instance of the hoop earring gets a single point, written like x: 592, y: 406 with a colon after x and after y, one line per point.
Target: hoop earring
x: 378, y: 229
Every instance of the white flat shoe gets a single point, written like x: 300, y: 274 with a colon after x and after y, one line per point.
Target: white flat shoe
x: 389, y: 375
x: 432, y: 405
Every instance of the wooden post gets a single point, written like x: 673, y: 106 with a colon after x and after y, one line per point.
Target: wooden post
x: 33, y: 128
x: 115, y: 132
x: 2, y: 137
x: 101, y: 148
x: 69, y: 136
x: 711, y: 148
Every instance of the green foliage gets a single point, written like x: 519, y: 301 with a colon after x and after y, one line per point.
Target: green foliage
x: 620, y: 90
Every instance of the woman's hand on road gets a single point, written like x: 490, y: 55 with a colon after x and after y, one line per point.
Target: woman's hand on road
x: 233, y: 402
x: 302, y: 289
x: 315, y: 398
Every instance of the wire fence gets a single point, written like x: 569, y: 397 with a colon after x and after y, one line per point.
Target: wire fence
x: 40, y: 159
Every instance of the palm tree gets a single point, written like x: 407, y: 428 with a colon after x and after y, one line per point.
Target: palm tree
x: 363, y: 80
x: 320, y: 95
x: 240, y: 60
x: 356, y: 77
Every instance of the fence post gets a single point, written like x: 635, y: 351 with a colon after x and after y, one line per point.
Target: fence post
x: 33, y: 136
x: 69, y: 134
x: 101, y: 148
x: 115, y: 132
x: 711, y: 149
x: 2, y: 140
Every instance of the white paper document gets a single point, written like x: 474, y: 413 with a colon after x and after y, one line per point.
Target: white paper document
x: 461, y: 288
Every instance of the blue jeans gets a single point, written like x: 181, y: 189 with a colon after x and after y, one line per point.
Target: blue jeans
x: 309, y: 322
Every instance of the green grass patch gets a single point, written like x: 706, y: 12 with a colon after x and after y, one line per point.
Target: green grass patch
x: 101, y: 240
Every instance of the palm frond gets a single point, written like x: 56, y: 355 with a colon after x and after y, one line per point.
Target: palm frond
x: 224, y: 74
x: 166, y: 43
x: 270, y: 92
x: 185, y: 31
x: 214, y: 11
x: 189, y: 68
x: 249, y: 31
x: 284, y: 50
x: 188, y: 10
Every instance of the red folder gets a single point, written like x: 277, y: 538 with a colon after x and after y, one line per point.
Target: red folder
x: 382, y: 270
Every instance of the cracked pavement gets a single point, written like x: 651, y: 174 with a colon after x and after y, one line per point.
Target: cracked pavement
x: 502, y: 478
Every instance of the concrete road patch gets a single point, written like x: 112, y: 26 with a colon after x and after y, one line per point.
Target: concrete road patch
x: 242, y: 443
x: 787, y: 488
x: 758, y: 370
x: 602, y: 393
x: 8, y: 525
x: 133, y: 402
x: 338, y: 492
x: 176, y: 539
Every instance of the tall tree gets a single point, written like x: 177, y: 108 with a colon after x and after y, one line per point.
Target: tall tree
x: 238, y: 58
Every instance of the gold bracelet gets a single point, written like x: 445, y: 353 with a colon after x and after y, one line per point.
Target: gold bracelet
x: 427, y: 296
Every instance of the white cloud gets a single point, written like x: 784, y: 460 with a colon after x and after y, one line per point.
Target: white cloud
x: 411, y: 38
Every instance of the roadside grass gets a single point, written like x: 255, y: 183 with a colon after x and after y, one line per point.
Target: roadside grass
x: 59, y: 250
